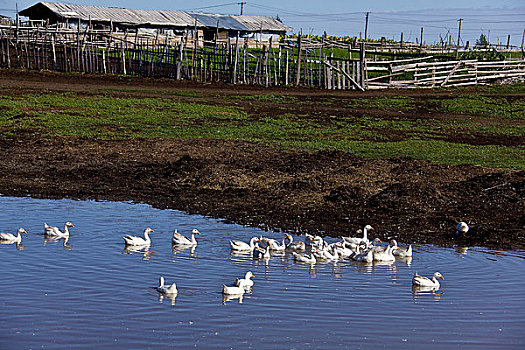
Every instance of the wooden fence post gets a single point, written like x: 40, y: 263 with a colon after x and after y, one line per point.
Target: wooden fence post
x: 362, y: 68
x: 236, y: 58
x: 298, y: 77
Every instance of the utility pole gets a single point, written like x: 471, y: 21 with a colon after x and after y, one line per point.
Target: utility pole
x: 242, y: 7
x: 366, y: 25
x: 459, y: 32
x: 421, y: 43
x: 522, y: 40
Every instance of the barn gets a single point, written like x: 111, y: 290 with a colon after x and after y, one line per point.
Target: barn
x: 208, y: 26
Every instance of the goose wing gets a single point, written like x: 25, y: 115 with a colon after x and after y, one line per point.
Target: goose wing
x: 239, y: 245
x: 7, y: 236
x: 178, y: 238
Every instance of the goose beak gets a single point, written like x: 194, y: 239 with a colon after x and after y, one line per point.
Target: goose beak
x: 152, y: 230
x: 443, y: 278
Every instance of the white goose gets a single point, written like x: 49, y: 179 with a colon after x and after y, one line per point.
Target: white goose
x: 385, y: 255
x: 11, y: 238
x: 260, y: 253
x: 400, y: 252
x: 135, y: 240
x: 55, y: 231
x: 181, y: 240
x: 309, y: 259
x: 245, y: 282
x: 343, y: 250
x: 233, y: 290
x: 367, y: 257
x: 295, y: 246
x: 314, y: 241
x: 243, y: 246
x: 461, y: 228
x: 166, y: 289
x: 325, y: 254
x: 422, y: 281
x: 359, y: 240
x: 274, y: 245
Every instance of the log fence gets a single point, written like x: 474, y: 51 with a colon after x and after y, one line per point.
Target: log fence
x: 302, y: 62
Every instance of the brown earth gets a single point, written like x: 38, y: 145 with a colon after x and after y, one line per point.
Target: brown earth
x: 329, y: 193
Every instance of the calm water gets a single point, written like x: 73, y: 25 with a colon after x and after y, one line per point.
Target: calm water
x: 92, y: 293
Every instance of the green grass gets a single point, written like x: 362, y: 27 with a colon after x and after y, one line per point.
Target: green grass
x: 100, y: 116
x: 484, y: 107
x: 182, y: 93
x: 387, y: 102
x: 269, y: 98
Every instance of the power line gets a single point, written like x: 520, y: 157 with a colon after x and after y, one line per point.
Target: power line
x: 214, y: 6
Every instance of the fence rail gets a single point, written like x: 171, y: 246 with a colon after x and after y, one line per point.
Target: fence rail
x: 235, y: 60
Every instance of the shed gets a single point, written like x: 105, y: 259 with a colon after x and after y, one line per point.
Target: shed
x: 123, y: 18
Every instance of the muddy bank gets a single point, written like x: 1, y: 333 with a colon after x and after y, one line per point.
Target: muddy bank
x: 329, y: 193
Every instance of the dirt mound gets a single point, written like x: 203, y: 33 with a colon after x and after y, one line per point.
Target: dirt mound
x: 329, y: 193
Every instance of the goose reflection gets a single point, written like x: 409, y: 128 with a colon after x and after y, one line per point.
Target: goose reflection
x: 462, y: 250
x: 389, y: 264
x: 19, y: 246
x: 53, y: 239
x: 312, y: 271
x: 138, y: 249
x: 422, y: 291
x: 239, y: 253
x: 170, y: 297
x: 177, y: 248
x: 229, y: 297
x: 407, y: 260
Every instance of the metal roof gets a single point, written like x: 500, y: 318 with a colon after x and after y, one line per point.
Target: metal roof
x: 254, y: 23
x: 114, y: 14
x: 241, y: 23
x: 155, y: 17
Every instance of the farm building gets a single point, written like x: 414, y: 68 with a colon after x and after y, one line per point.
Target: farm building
x: 4, y: 20
x: 209, y: 26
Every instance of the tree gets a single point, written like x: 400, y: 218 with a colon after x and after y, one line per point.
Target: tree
x: 482, y: 41
x: 278, y: 18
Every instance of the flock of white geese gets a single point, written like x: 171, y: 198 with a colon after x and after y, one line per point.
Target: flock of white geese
x: 314, y: 249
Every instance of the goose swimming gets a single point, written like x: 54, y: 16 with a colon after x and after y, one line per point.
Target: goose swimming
x: 166, y: 289
x: 367, y: 257
x: 261, y: 253
x: 243, y: 246
x: 386, y: 255
x: 422, y: 281
x: 181, y: 240
x: 245, y: 282
x: 360, y: 240
x: 55, y: 231
x: 135, y: 240
x: 461, y: 228
x: 11, y: 238
x: 400, y: 252
x: 309, y: 259
x: 295, y: 246
x: 233, y: 290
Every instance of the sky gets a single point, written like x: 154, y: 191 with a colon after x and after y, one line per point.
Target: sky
x: 439, y: 19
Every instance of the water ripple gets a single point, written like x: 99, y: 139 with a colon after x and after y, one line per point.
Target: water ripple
x: 92, y: 292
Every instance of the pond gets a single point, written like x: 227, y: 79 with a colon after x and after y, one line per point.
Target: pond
x: 90, y: 292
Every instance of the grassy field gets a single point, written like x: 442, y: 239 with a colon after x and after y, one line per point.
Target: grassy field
x: 376, y: 126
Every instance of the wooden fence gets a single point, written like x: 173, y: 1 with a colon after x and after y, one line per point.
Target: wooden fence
x: 426, y: 72
x: 299, y: 62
